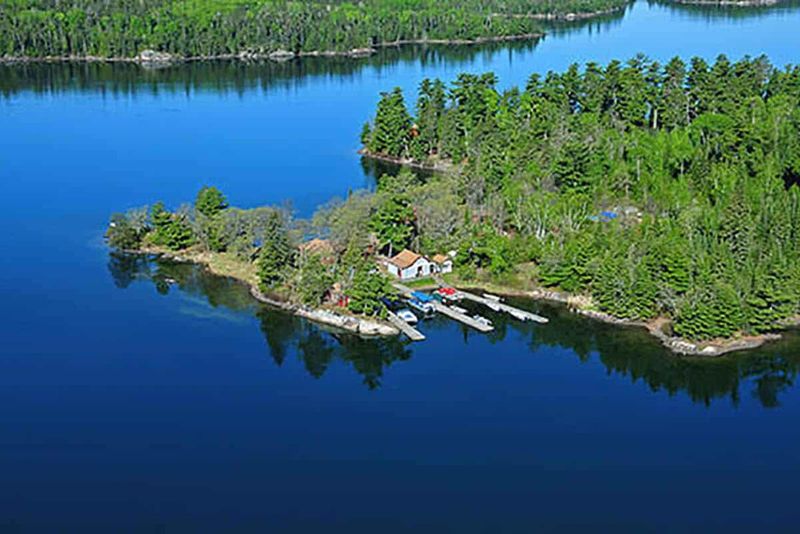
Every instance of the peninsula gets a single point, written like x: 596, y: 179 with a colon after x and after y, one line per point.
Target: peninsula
x: 664, y: 195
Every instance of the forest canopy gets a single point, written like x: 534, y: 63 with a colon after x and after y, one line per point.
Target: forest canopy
x: 204, y: 28
x: 655, y: 189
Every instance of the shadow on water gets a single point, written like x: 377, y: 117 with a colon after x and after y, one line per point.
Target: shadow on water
x: 284, y: 333
x: 624, y: 351
x: 632, y: 352
x: 231, y: 76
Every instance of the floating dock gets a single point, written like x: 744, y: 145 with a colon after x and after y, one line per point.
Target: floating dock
x: 498, y: 306
x: 411, y: 333
x: 461, y: 317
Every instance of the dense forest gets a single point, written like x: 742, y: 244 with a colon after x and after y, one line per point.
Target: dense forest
x: 200, y: 28
x: 655, y: 190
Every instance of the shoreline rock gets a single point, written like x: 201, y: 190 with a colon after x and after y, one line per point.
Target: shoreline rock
x: 151, y: 57
x: 579, y: 304
x: 407, y: 162
x: 361, y: 326
x: 730, y: 3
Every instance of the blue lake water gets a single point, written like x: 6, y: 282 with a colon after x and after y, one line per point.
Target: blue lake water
x: 127, y: 404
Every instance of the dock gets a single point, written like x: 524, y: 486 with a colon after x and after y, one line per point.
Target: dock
x: 461, y: 317
x: 411, y: 333
x: 498, y: 306
x: 403, y: 289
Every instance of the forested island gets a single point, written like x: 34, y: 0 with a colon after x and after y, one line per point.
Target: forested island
x: 665, y: 194
x: 280, y: 29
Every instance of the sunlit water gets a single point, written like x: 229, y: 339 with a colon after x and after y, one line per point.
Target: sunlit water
x: 127, y: 403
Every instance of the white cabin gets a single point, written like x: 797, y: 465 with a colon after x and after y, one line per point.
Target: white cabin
x: 408, y: 265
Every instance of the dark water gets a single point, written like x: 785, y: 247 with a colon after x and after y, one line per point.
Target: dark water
x: 131, y: 404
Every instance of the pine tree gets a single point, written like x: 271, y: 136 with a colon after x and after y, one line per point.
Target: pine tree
x: 209, y: 205
x: 210, y: 201
x: 274, y: 258
x: 390, y: 133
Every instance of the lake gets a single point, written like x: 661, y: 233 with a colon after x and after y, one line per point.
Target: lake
x: 129, y: 403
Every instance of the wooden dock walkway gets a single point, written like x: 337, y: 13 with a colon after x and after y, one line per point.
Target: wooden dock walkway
x: 458, y: 316
x: 411, y: 333
x: 403, y: 289
x: 498, y: 306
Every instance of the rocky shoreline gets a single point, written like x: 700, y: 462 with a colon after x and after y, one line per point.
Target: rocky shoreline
x: 581, y: 305
x: 152, y: 57
x: 569, y: 17
x: 729, y: 3
x: 361, y: 326
x: 440, y: 166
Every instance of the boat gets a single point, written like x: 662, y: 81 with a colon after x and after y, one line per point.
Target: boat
x: 422, y: 303
x: 407, y: 315
x: 425, y: 308
x: 495, y: 298
x: 448, y: 293
x: 392, y: 304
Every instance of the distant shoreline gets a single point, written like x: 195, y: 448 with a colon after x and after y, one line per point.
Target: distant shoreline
x: 166, y: 58
x: 150, y: 57
x: 729, y: 3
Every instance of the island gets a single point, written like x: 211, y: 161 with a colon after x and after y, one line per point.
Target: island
x: 155, y: 31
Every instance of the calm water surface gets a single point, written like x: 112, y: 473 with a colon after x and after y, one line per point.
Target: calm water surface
x: 129, y: 404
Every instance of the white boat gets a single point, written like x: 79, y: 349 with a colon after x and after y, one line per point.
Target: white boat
x: 407, y: 316
x: 492, y: 297
x: 425, y: 308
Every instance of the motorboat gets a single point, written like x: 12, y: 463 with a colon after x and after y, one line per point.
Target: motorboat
x: 422, y: 303
x: 407, y: 315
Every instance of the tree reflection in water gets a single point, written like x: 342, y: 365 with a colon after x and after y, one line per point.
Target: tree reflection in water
x: 625, y: 351
x: 283, y: 332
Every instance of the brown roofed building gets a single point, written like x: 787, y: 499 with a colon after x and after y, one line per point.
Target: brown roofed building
x: 407, y: 265
x: 318, y: 247
x: 443, y: 264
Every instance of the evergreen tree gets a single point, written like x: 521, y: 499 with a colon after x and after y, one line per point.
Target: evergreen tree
x: 274, y: 257
x: 390, y: 134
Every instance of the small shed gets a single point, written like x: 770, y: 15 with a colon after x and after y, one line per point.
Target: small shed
x: 408, y: 265
x: 442, y: 264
